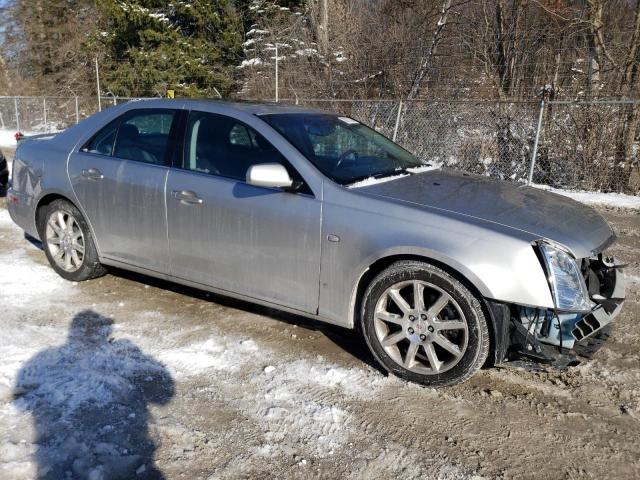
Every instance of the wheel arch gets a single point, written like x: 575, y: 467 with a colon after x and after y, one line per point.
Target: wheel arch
x: 50, y: 197
x: 494, y: 322
x: 45, y: 200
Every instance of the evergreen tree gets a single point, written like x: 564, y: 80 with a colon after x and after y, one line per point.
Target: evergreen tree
x: 43, y: 42
x: 150, y: 46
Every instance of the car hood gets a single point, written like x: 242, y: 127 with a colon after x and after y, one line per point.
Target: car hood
x: 540, y: 213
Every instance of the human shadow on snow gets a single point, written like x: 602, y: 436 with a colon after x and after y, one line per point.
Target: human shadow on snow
x: 89, y: 399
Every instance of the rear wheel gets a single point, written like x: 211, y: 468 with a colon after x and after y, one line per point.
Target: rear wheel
x: 68, y: 243
x: 424, y: 325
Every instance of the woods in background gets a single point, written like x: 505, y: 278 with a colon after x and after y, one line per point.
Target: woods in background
x: 448, y: 50
x: 508, y: 49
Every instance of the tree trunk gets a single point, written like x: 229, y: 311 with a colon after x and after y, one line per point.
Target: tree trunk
x: 427, y: 60
x: 323, y: 27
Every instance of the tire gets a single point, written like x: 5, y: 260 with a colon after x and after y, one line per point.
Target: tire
x: 447, y: 330
x: 85, y: 264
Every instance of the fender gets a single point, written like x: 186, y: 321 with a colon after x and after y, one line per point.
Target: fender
x: 411, y: 252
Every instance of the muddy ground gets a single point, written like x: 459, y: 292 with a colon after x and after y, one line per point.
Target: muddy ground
x: 239, y: 391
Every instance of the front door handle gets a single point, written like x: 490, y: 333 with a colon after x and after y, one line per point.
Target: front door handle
x: 92, y: 174
x: 187, y: 197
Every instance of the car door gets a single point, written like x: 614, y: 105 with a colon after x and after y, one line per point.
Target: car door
x: 260, y: 242
x: 119, y: 179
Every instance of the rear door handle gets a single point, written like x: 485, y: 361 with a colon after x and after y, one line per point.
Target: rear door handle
x: 92, y: 174
x: 186, y: 197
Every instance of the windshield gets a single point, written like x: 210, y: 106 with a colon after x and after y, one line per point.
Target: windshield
x: 341, y: 148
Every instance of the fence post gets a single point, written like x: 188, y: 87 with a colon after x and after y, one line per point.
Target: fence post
x: 15, y: 104
x: 77, y: 110
x: 535, y: 144
x: 395, y: 128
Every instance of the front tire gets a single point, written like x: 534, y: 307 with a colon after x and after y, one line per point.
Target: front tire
x: 67, y: 242
x: 424, y: 325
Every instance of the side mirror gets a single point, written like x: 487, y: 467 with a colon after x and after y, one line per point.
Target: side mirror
x: 270, y: 175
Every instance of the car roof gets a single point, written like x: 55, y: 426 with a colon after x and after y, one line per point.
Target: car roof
x: 254, y: 108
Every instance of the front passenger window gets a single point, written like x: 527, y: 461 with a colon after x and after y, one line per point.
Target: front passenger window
x: 223, y: 146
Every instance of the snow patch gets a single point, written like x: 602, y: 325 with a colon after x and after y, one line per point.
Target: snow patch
x: 5, y: 219
x: 160, y: 17
x: 251, y: 62
x: 354, y: 382
x: 423, y: 168
x: 375, y: 181
x: 7, y: 138
x: 256, y: 31
x: 23, y: 281
x: 619, y: 200
x: 220, y: 353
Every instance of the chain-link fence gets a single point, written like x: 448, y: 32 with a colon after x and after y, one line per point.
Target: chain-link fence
x: 577, y: 145
x: 31, y: 115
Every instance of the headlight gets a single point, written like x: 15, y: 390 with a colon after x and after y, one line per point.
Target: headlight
x: 565, y: 279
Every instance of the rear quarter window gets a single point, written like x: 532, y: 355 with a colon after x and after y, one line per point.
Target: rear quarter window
x: 102, y: 142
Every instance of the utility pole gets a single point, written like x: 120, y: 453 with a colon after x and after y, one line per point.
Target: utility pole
x: 276, y: 72
x: 98, y: 86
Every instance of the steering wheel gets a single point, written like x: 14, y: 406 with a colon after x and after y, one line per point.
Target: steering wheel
x: 345, y: 154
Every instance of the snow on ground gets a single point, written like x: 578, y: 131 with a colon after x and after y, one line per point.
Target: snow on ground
x: 619, y: 200
x: 84, y: 393
x: 117, y: 379
x: 7, y: 138
x: 22, y: 280
x: 5, y: 219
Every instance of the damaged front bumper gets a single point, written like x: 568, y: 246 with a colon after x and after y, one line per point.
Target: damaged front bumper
x: 562, y: 338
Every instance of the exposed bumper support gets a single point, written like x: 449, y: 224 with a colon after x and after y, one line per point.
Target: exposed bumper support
x: 551, y: 337
x: 608, y: 306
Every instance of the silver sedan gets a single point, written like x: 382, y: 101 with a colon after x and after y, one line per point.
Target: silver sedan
x: 317, y: 214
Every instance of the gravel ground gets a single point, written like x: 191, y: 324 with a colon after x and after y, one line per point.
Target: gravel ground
x: 130, y: 377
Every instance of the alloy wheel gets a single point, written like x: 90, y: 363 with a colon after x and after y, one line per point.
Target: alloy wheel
x: 421, y: 327
x: 65, y: 240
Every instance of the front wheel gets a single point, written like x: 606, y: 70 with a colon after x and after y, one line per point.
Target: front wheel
x: 424, y: 325
x: 68, y: 243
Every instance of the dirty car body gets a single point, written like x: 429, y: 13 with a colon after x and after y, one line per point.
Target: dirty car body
x: 312, y: 242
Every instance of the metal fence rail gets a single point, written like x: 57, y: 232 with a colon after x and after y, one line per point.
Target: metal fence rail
x: 575, y: 145
x: 49, y: 114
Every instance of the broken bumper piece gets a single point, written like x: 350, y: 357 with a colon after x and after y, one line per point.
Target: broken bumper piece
x: 558, y: 338
x: 608, y: 307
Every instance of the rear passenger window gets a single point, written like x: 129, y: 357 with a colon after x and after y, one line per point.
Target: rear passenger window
x: 223, y: 146
x: 143, y: 136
